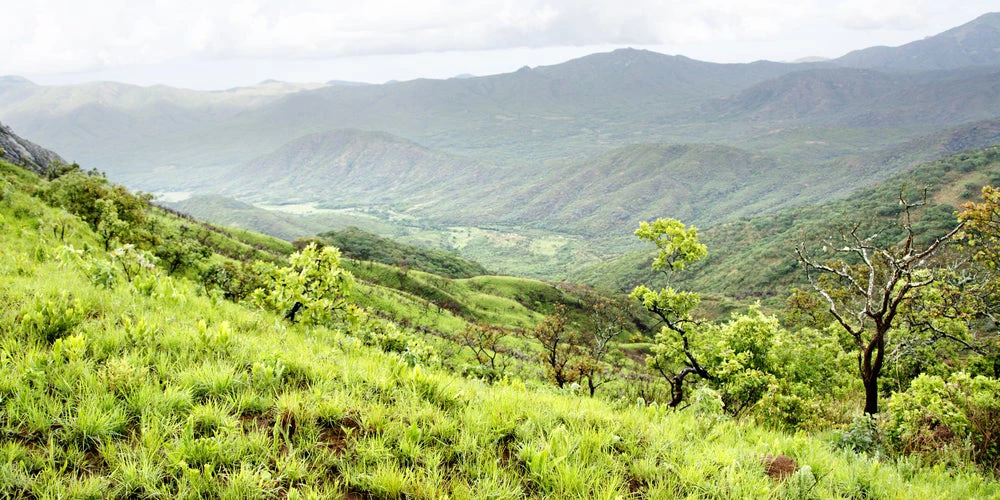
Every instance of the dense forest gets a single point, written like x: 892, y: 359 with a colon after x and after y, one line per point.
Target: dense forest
x: 145, y: 353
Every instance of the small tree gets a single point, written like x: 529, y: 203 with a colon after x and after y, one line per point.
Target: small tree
x: 486, y: 343
x: 981, y: 239
x: 313, y: 288
x: 178, y: 252
x: 675, y: 356
x: 559, y: 347
x: 598, y: 362
x: 866, y: 296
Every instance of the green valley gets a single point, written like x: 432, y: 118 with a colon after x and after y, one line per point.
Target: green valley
x: 625, y: 275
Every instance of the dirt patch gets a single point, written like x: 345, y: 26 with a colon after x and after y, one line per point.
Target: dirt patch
x: 636, y: 485
x: 257, y: 422
x: 337, y: 435
x: 780, y: 466
x: 357, y: 495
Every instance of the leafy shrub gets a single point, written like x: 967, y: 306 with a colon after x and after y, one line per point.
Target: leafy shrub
x: 313, y: 288
x: 236, y: 281
x: 388, y: 337
x: 950, y: 418
x: 53, y: 318
x: 5, y: 190
x: 862, y: 436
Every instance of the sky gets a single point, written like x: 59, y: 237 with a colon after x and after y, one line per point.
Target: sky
x: 208, y: 44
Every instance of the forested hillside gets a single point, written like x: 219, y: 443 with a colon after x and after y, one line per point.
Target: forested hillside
x: 756, y: 256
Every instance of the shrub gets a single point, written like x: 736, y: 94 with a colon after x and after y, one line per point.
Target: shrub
x: 312, y: 289
x: 862, y: 436
x: 937, y: 417
x: 53, y: 318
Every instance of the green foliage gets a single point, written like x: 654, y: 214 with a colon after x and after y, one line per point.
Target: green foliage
x: 948, y: 419
x: 743, y: 359
x: 313, y: 288
x: 389, y: 338
x: 161, y: 391
x: 236, y: 281
x: 357, y: 244
x: 862, y: 436
x: 178, y: 252
x: 680, y: 342
x: 676, y: 305
x: 678, y: 245
x: 51, y: 318
x: 110, y: 210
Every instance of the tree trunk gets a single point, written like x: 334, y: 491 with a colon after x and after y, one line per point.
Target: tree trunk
x: 290, y: 315
x: 677, y: 390
x: 871, y: 395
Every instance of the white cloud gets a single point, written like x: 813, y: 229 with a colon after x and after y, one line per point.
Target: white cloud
x: 884, y: 14
x: 64, y: 35
x: 48, y: 37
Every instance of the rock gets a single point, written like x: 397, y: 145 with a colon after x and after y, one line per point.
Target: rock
x: 23, y: 152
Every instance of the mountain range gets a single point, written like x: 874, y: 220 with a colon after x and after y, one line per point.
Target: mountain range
x: 577, y: 152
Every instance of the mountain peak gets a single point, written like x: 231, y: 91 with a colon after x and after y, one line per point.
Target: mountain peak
x: 975, y: 43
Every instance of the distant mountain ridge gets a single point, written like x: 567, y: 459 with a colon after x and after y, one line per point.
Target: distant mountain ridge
x: 572, y: 152
x: 972, y: 44
x: 351, y: 167
x: 865, y: 98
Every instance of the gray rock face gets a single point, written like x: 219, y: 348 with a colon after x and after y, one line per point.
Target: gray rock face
x: 26, y: 153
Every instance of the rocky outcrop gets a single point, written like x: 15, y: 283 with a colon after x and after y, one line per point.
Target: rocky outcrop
x: 25, y: 153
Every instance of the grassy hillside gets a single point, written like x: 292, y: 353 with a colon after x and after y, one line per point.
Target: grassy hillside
x: 140, y: 384
x: 364, y: 246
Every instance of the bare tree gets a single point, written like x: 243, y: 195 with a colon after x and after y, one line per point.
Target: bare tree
x: 866, y: 297
x: 486, y: 343
x: 597, y: 363
x: 559, y: 347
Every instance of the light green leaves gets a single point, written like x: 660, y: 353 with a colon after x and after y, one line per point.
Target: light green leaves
x: 311, y: 289
x: 678, y: 244
x: 675, y: 304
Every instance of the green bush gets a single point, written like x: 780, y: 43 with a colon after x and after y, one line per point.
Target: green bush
x: 862, y: 436
x: 948, y: 419
x: 49, y: 319
x: 312, y: 289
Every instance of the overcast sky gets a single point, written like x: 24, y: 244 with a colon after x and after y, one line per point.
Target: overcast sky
x: 207, y: 44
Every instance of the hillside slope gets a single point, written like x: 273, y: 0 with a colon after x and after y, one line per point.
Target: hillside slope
x: 756, y: 256
x: 353, y: 167
x: 23, y: 152
x: 143, y: 385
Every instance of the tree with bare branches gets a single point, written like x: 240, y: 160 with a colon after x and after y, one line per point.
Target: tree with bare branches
x: 599, y: 362
x: 487, y: 345
x: 560, y: 347
x: 867, y: 283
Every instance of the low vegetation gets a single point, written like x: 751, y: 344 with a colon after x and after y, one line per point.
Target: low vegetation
x: 146, y: 354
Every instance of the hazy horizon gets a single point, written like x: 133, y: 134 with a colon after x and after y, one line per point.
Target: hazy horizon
x: 219, y: 45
